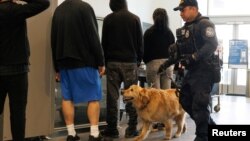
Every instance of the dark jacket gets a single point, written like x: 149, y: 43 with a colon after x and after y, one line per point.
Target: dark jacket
x: 199, y: 39
x: 74, y: 36
x: 14, y: 44
x: 156, y: 44
x: 122, y: 39
x: 202, y: 39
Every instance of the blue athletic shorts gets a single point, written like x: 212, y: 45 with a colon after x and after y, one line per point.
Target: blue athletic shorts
x: 81, y: 84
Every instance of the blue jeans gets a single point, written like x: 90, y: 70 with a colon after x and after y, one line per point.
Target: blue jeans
x: 118, y: 72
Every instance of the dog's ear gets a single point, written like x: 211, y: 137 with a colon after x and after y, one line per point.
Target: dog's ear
x: 142, y: 91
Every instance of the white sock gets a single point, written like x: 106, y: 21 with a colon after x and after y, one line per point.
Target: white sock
x: 94, y: 130
x: 71, y: 130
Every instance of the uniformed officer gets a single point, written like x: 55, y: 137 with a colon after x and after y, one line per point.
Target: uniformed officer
x: 195, y: 46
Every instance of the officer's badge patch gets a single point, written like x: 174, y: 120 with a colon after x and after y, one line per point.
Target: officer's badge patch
x: 187, y: 34
x: 210, y: 32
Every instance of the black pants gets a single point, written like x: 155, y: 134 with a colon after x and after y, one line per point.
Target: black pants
x: 16, y: 87
x: 116, y: 74
x: 195, y: 97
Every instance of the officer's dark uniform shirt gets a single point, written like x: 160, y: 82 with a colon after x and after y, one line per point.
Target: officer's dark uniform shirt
x: 200, y: 38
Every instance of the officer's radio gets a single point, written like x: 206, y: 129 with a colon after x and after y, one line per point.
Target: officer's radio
x: 180, y: 34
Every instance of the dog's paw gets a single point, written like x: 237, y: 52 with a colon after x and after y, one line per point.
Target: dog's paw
x: 177, y: 135
x: 137, y: 139
x: 167, y: 138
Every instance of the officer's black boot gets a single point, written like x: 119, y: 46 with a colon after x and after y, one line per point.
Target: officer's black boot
x: 197, y: 138
x: 211, y: 122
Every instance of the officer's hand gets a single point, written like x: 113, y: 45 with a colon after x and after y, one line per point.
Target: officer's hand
x: 172, y: 48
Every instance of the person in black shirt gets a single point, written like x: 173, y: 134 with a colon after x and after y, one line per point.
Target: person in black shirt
x: 14, y: 59
x: 79, y: 62
x: 122, y: 44
x: 157, y: 40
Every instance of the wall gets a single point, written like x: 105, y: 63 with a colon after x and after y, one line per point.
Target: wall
x: 143, y: 8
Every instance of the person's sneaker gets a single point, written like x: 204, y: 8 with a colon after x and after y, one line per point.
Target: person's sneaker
x: 71, y: 138
x: 155, y: 127
x: 131, y: 133
x: 99, y: 138
x: 110, y: 133
x: 161, y: 126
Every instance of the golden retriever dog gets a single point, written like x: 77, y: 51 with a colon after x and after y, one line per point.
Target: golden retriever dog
x: 155, y: 105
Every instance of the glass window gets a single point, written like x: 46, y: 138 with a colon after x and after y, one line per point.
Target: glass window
x: 203, y: 7
x: 224, y: 34
x: 229, y: 7
x: 245, y: 34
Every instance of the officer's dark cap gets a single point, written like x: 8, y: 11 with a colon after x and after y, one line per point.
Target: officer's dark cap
x: 184, y: 3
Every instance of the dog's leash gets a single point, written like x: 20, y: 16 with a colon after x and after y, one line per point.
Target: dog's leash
x: 175, y: 85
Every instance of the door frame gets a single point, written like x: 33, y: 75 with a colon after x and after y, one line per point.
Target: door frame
x: 235, y: 21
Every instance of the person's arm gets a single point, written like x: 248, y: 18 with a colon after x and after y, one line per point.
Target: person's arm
x: 174, y: 57
x: 105, y: 39
x: 210, y: 40
x: 146, y: 46
x: 140, y: 48
x: 20, y: 10
x: 54, y: 41
x: 93, y: 36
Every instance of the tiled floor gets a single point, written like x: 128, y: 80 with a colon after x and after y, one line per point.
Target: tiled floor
x: 233, y: 110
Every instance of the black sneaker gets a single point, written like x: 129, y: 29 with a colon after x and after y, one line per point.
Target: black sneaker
x: 131, y: 133
x: 200, y: 138
x: 99, y: 138
x: 71, y: 138
x: 161, y: 126
x: 154, y: 127
x: 110, y: 133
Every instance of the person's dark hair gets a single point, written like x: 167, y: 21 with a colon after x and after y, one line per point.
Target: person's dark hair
x: 116, y: 5
x: 160, y: 18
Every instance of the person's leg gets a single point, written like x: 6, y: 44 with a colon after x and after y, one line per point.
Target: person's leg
x: 67, y: 104
x: 93, y: 113
x: 165, y: 81
x: 129, y: 72
x: 3, y: 94
x: 17, y: 91
x: 186, y: 97
x: 153, y: 79
x: 201, y: 113
x: 113, y: 87
x: 68, y: 113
